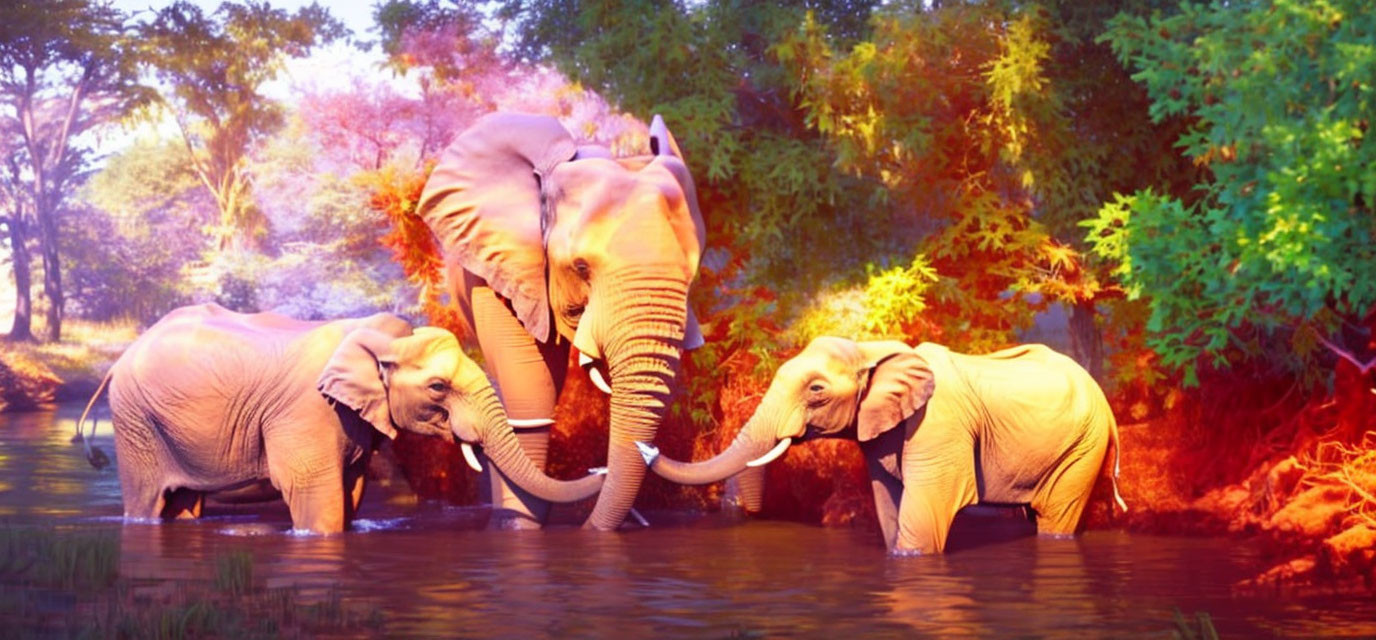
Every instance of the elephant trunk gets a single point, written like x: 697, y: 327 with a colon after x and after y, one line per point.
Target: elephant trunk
x: 720, y: 467
x: 642, y: 349
x: 502, y: 449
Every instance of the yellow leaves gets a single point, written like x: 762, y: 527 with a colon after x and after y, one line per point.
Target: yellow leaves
x: 1060, y: 257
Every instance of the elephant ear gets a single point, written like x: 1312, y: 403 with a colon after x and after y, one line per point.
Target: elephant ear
x: 353, y: 377
x: 487, y: 199
x: 900, y: 383
x: 687, y: 221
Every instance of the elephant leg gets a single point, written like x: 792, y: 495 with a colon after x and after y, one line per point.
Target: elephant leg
x: 183, y: 504
x: 881, y: 459
x: 746, y: 490
x: 312, y: 484
x: 140, y: 481
x: 938, y: 481
x: 1061, y: 498
x: 528, y: 378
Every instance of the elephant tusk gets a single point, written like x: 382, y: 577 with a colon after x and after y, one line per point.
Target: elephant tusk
x: 530, y: 422
x: 647, y: 451
x: 767, y: 458
x: 590, y: 365
x: 470, y: 457
x: 639, y: 518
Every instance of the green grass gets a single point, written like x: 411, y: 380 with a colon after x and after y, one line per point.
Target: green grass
x: 65, y: 583
x: 1202, y: 630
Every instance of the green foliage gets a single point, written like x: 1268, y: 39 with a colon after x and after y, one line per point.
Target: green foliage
x: 212, y: 68
x: 1279, y: 238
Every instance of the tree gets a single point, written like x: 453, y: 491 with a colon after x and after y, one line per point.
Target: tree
x: 143, y: 220
x: 213, y: 68
x: 1274, y: 254
x: 64, y: 70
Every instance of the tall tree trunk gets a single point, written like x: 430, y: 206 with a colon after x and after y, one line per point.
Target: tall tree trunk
x: 1086, y: 342
x: 23, y: 279
x: 52, y: 273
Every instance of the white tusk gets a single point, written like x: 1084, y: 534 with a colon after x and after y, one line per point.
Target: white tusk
x: 529, y: 422
x: 596, y: 375
x: 639, y: 518
x: 767, y: 458
x: 589, y: 363
x: 470, y: 457
x: 647, y: 451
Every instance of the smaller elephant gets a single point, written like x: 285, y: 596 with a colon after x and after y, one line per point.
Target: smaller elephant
x: 209, y: 400
x: 939, y: 430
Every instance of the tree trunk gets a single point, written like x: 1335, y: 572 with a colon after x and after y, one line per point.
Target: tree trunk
x: 1086, y: 342
x: 52, y: 274
x: 23, y: 279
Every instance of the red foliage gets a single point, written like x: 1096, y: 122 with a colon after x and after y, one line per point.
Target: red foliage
x: 413, y: 245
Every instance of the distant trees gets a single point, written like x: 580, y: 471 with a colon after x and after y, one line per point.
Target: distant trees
x: 65, y: 68
x: 213, y: 68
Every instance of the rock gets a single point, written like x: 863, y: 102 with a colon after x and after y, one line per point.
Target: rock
x: 1312, y: 513
x: 25, y: 384
x: 1351, y: 552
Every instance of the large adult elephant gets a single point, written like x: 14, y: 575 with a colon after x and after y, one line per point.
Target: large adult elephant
x: 940, y: 430
x: 209, y: 400
x: 549, y: 244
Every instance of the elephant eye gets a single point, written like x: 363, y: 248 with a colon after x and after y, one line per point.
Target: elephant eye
x: 438, y: 386
x: 574, y: 310
x: 580, y: 266
x: 816, y: 388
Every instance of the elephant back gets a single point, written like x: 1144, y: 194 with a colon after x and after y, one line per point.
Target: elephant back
x: 486, y: 203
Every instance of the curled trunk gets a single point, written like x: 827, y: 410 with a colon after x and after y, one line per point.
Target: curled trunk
x: 642, y: 349
x: 500, y: 444
x: 720, y: 467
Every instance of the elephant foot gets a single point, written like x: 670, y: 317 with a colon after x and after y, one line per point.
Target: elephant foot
x: 512, y: 520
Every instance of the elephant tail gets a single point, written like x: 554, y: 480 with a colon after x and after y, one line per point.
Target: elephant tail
x: 1117, y: 457
x: 94, y: 455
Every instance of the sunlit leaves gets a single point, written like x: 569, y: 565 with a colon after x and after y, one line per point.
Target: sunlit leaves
x: 1281, y: 96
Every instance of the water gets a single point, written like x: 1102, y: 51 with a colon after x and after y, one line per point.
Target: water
x: 434, y: 571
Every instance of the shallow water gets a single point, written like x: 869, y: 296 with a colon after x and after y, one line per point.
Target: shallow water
x: 434, y: 571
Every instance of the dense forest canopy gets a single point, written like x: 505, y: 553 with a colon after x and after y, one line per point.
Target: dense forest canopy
x: 1191, y: 181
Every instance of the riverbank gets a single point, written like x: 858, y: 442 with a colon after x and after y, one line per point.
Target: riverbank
x: 36, y: 374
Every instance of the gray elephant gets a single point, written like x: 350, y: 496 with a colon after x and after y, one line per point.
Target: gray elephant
x: 549, y: 244
x: 939, y: 430
x: 209, y: 400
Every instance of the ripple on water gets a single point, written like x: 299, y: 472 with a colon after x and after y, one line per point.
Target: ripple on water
x: 435, y: 572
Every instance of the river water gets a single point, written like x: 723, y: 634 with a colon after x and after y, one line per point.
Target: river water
x: 435, y: 572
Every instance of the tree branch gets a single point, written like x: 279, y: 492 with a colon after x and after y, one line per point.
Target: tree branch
x: 1347, y: 355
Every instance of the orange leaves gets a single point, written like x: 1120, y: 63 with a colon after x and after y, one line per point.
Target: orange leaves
x: 395, y: 194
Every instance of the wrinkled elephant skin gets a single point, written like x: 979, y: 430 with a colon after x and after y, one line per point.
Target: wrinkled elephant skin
x: 939, y: 430
x: 209, y: 400
x: 552, y: 246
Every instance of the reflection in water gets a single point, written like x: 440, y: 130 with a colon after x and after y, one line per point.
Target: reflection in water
x: 434, y: 571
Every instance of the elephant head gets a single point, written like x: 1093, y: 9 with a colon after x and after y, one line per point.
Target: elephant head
x: 595, y: 250
x: 832, y: 385
x: 424, y: 383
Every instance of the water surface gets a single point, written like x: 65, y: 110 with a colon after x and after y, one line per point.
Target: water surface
x: 434, y: 572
